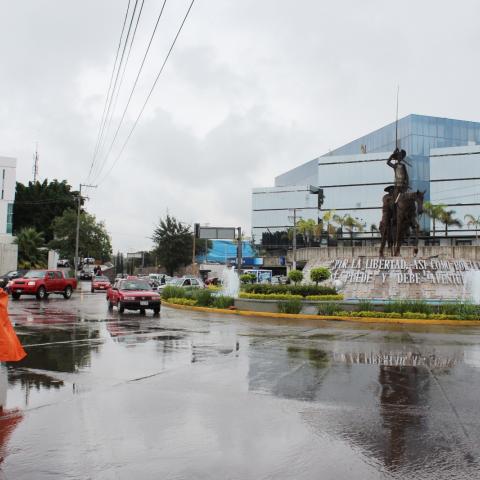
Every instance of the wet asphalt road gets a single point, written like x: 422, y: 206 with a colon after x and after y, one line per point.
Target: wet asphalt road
x: 195, y: 396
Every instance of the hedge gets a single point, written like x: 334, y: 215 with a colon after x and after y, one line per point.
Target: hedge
x: 408, y: 315
x: 183, y: 301
x: 287, y: 296
x: 303, y: 290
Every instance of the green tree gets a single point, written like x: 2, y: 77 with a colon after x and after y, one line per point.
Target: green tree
x: 295, y: 276
x: 94, y: 238
x: 435, y: 212
x: 248, y: 278
x: 351, y: 224
x: 39, y: 203
x: 472, y: 222
x: 328, y: 218
x: 29, y: 242
x: 319, y: 274
x: 448, y: 219
x: 174, y: 243
x: 306, y: 228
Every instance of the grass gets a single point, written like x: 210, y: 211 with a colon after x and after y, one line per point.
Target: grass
x: 290, y: 306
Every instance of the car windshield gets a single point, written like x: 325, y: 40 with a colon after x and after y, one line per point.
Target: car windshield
x: 134, y: 285
x: 36, y: 274
x: 101, y: 278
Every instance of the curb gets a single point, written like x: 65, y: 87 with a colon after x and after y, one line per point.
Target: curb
x: 300, y: 316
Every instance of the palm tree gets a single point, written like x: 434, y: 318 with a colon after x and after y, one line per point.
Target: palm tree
x: 448, y: 220
x: 373, y: 228
x: 473, y: 222
x: 340, y: 221
x: 307, y: 229
x: 328, y: 216
x: 435, y: 212
x: 351, y: 224
x: 29, y: 242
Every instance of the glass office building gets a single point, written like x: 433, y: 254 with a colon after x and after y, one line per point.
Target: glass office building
x: 353, y: 177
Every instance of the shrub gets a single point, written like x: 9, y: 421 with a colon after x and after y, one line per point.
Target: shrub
x: 365, y: 306
x: 323, y: 298
x: 290, y: 306
x: 319, y: 274
x: 302, y: 290
x: 402, y: 306
x: 203, y: 296
x: 463, y: 310
x: 248, y: 278
x: 182, y: 301
x: 171, y: 291
x: 328, y: 309
x: 269, y: 296
x: 222, y: 301
x: 295, y: 276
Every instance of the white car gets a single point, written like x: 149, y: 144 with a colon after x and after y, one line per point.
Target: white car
x: 184, y: 282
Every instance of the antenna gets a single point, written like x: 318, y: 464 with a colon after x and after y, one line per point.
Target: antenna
x: 35, y: 164
x: 396, y: 120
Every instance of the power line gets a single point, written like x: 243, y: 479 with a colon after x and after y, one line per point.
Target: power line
x: 133, y: 89
x: 150, y: 92
x: 109, y: 88
x: 102, y: 130
x: 122, y: 75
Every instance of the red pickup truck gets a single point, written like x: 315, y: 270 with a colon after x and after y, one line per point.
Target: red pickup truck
x: 41, y: 283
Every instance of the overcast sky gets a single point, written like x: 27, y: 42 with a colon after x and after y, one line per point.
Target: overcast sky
x: 253, y: 88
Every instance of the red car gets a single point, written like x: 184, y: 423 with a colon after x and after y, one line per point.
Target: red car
x: 42, y: 283
x: 100, y: 282
x: 133, y: 294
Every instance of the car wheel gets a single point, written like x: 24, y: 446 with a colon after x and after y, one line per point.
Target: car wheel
x: 68, y: 292
x: 121, y: 308
x: 92, y: 290
x: 156, y: 311
x: 15, y: 296
x: 41, y: 293
x: 110, y: 305
x: 142, y: 311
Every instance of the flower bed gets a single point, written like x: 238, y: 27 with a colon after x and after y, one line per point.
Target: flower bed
x: 288, y: 296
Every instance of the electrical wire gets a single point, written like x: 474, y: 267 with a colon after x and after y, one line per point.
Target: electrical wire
x: 150, y: 93
x: 122, y: 75
x: 133, y: 89
x: 102, y: 137
x: 109, y: 88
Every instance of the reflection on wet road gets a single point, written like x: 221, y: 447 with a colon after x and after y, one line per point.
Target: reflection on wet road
x: 190, y: 395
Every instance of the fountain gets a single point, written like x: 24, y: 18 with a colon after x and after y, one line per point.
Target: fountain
x: 230, y: 282
x: 471, y: 286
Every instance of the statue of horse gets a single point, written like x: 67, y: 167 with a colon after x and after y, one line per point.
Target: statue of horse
x: 408, y: 207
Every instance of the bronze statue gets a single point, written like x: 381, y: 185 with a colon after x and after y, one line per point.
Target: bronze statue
x: 400, y: 208
x: 402, y: 183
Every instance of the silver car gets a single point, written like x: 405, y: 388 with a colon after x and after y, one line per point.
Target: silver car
x: 184, y: 282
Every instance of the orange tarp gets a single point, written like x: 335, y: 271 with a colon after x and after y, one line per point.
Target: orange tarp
x: 11, y: 349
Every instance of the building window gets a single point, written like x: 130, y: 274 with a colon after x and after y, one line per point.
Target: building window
x: 3, y: 184
x: 9, y: 217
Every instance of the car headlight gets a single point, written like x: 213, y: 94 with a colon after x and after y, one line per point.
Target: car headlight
x: 31, y: 284
x: 129, y: 298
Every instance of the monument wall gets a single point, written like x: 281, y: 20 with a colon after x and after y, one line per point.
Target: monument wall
x: 442, y: 276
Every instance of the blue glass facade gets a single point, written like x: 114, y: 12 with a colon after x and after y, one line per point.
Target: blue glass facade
x: 417, y: 135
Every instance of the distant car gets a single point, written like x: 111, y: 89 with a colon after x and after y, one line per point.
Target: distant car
x: 5, y: 279
x: 86, y: 273
x: 133, y: 294
x: 184, y: 282
x: 88, y: 261
x: 42, y: 283
x: 64, y: 263
x: 100, y: 282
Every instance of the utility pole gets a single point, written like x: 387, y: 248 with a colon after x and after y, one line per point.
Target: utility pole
x: 239, y: 250
x: 77, y: 239
x: 294, y: 242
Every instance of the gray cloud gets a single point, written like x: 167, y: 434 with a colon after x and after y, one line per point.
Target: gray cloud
x: 252, y: 89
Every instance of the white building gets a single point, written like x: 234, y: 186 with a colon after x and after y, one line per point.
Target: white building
x: 8, y: 250
x: 455, y: 183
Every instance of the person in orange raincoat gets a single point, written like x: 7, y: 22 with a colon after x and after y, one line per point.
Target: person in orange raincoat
x: 11, y: 349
